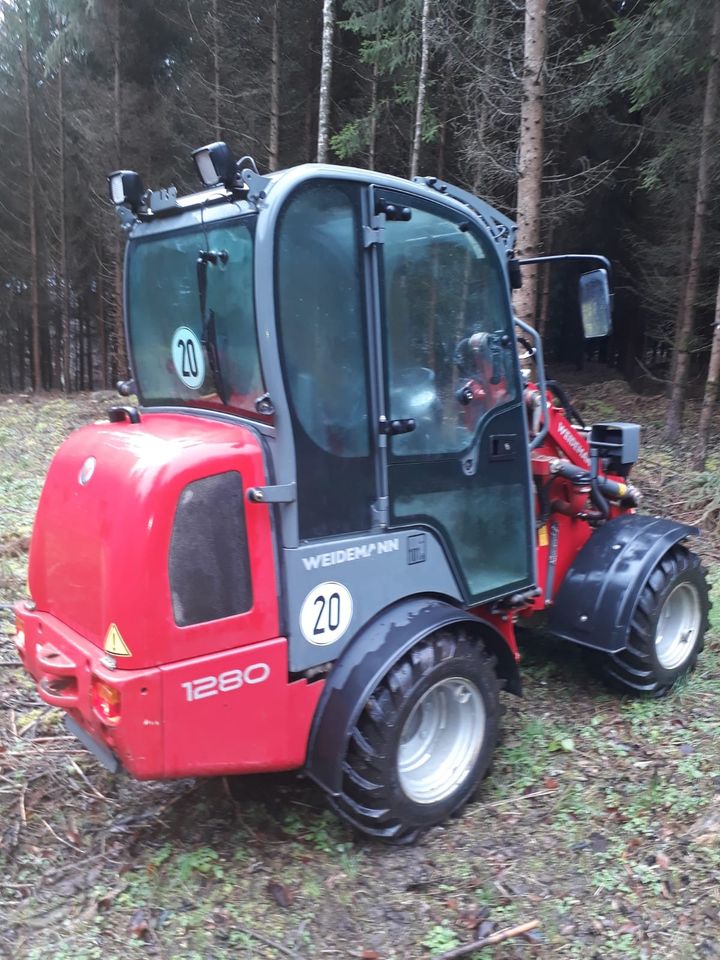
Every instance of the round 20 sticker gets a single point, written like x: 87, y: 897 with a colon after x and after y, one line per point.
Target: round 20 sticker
x: 326, y: 613
x: 188, y: 357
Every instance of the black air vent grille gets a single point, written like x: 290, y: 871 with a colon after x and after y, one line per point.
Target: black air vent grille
x: 208, y: 565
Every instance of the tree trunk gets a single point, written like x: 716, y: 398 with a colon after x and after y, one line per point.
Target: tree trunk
x: 325, y: 79
x: 544, y: 311
x: 544, y: 276
x: 87, y: 326
x: 485, y: 24
x: 711, y: 392
x: 681, y: 364
x: 422, y: 88
x: 81, y: 356
x: 442, y: 145
x: 102, y: 336
x: 22, y: 351
x: 32, y: 212
x: 530, y: 155
x: 64, y: 304
x: 372, y: 138
x: 118, y: 326
x: 274, y: 151
x: 684, y: 261
x: 216, y: 69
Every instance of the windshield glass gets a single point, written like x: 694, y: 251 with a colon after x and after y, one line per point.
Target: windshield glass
x: 171, y: 343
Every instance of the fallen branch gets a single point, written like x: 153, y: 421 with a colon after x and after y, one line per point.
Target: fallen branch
x: 494, y: 938
x: 650, y: 374
x: 95, y: 791
x: 267, y: 941
x: 61, y: 839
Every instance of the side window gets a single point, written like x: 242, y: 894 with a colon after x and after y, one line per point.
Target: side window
x: 322, y: 333
x: 448, y: 362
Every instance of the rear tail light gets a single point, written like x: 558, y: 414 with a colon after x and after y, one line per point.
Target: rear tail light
x: 106, y: 702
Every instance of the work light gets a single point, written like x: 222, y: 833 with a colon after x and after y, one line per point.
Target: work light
x: 126, y: 188
x: 215, y: 164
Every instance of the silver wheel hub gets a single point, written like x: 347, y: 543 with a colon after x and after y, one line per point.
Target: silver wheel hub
x: 441, y: 740
x: 678, y: 626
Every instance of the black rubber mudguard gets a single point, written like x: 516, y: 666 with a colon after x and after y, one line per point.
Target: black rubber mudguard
x: 363, y: 664
x: 595, y: 602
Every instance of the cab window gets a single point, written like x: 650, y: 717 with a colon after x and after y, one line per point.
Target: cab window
x: 168, y: 335
x: 323, y: 349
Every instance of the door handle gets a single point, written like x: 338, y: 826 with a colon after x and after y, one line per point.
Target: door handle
x: 503, y: 446
x: 390, y: 428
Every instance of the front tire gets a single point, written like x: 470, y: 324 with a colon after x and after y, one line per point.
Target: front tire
x: 667, y: 630
x: 423, y: 741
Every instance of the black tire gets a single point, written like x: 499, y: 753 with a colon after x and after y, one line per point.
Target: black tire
x: 441, y: 666
x: 645, y: 667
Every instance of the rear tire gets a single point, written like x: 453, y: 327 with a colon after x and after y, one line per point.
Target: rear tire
x: 667, y: 630
x: 423, y: 741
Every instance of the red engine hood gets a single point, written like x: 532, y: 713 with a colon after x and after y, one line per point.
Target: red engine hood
x: 99, y: 551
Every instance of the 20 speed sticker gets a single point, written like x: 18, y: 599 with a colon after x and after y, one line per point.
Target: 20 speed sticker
x: 326, y: 613
x: 188, y: 357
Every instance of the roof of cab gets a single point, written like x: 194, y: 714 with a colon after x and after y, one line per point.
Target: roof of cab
x: 270, y: 190
x: 218, y: 203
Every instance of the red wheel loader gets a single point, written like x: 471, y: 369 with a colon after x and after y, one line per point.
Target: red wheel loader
x: 310, y: 543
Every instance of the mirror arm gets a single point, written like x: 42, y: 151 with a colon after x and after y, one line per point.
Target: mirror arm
x: 540, y: 367
x: 573, y: 256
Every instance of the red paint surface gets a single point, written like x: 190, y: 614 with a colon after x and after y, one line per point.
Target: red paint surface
x: 160, y: 732
x: 99, y: 552
x: 257, y: 726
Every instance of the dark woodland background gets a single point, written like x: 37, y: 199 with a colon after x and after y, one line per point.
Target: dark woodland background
x: 627, y: 100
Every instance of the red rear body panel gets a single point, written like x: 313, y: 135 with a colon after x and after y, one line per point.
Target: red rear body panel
x: 231, y: 712
x: 99, y: 552
x: 210, y: 698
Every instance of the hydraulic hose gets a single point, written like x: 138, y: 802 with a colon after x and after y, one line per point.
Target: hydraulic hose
x: 626, y: 494
x: 595, y: 493
x: 570, y: 411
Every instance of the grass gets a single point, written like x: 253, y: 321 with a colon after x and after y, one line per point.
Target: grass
x: 601, y: 818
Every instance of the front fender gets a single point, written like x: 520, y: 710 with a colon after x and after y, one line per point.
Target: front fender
x: 596, y: 600
x: 363, y: 664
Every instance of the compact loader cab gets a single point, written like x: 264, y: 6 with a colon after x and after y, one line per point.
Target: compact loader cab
x: 310, y: 543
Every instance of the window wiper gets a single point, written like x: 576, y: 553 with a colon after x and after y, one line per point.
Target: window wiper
x: 207, y: 317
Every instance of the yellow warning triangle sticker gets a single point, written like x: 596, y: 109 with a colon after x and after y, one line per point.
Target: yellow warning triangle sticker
x: 115, y: 644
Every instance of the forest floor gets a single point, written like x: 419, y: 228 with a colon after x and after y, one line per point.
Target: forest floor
x: 601, y: 818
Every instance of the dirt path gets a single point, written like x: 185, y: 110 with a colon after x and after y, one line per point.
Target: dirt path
x: 601, y: 818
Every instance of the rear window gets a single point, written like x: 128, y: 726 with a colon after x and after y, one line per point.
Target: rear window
x: 171, y: 342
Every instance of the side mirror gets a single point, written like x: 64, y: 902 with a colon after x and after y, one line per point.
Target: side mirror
x: 595, y: 304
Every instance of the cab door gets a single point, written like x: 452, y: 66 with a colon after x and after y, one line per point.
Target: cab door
x: 323, y: 346
x: 458, y: 459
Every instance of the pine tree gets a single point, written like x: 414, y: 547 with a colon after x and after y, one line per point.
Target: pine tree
x: 681, y: 361
x: 325, y: 80
x: 711, y: 392
x: 530, y: 152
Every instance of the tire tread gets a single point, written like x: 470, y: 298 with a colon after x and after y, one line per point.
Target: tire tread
x: 633, y: 670
x: 363, y: 802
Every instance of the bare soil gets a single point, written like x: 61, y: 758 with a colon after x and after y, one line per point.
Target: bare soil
x: 601, y: 818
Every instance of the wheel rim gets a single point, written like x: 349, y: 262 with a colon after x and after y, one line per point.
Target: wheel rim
x: 441, y: 740
x: 678, y: 626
